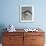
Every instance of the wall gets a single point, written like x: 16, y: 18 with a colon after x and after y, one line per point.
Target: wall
x: 9, y: 13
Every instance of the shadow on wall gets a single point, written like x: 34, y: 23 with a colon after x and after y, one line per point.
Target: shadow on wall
x: 2, y: 26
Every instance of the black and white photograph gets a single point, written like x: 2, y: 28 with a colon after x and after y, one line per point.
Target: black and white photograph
x: 26, y: 13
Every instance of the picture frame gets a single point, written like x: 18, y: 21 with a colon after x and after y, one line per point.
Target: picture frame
x: 26, y: 13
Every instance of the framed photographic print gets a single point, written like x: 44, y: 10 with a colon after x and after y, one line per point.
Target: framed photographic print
x: 26, y: 13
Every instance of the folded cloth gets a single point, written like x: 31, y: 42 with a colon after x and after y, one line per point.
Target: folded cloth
x: 11, y: 28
